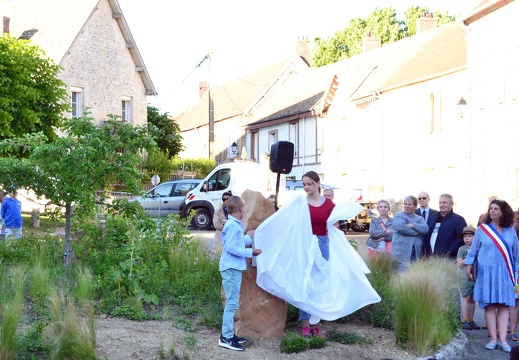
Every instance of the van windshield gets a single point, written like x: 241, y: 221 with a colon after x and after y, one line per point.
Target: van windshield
x: 220, y: 180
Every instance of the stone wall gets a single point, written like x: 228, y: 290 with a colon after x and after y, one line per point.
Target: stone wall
x: 100, y: 63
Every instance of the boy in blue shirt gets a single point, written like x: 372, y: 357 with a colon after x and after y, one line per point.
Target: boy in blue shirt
x: 232, y: 264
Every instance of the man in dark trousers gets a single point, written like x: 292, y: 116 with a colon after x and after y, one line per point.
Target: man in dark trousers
x: 444, y: 227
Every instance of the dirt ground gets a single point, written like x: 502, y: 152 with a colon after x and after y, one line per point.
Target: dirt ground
x: 119, y: 339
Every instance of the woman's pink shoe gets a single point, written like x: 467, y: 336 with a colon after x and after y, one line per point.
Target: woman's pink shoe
x: 317, y: 332
x: 305, y: 331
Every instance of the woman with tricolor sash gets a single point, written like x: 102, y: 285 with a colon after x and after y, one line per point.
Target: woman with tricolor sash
x: 495, y: 255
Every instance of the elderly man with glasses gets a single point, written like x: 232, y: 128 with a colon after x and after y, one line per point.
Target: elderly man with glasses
x: 424, y: 210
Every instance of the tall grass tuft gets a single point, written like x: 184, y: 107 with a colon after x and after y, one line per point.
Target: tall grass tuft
x: 11, y: 316
x: 383, y: 270
x: 424, y: 303
x: 12, y: 313
x: 84, y: 287
x: 41, y: 283
x: 17, y: 277
x: 67, y: 338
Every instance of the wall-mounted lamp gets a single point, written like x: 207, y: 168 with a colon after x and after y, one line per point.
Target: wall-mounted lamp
x: 233, y: 151
x: 462, y: 106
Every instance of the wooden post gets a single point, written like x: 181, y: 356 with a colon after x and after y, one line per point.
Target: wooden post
x: 35, y: 218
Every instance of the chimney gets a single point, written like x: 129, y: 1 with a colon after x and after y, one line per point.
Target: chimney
x: 6, y: 25
x: 369, y: 43
x: 426, y: 22
x: 304, y: 49
x: 202, y: 88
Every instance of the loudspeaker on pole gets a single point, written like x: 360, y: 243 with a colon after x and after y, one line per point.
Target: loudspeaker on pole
x: 281, y: 157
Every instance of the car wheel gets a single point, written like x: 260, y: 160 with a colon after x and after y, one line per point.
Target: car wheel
x: 201, y: 219
x: 359, y: 227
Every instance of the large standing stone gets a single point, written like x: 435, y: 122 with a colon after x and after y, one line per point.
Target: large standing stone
x: 260, y: 314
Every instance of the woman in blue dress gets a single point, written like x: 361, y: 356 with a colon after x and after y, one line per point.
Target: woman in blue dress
x: 496, y: 248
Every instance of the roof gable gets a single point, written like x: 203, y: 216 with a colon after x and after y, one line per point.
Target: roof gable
x: 303, y: 94
x: 60, y: 22
x: 239, y: 96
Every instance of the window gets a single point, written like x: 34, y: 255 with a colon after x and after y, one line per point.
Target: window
x: 294, y: 137
x: 77, y: 101
x: 162, y: 190
x: 220, y: 180
x: 273, y: 137
x: 126, y: 113
x: 181, y: 189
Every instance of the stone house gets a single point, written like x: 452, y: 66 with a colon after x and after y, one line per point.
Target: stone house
x: 102, y: 67
x: 366, y: 108
x: 232, y: 105
x: 491, y: 123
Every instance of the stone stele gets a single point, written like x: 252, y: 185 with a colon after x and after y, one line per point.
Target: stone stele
x: 259, y: 314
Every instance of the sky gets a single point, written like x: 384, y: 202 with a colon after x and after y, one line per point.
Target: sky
x: 174, y: 36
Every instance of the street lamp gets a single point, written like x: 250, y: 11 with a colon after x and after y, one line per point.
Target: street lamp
x: 462, y: 105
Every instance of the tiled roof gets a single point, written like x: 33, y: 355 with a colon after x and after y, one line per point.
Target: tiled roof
x: 409, y: 60
x: 417, y: 58
x: 59, y: 22
x: 238, y: 96
x: 303, y: 93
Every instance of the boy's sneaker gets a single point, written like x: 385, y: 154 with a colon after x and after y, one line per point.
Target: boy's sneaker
x: 240, y: 340
x: 230, y: 343
x: 474, y: 326
x: 466, y: 325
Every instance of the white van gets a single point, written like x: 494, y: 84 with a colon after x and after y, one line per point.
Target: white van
x: 236, y: 177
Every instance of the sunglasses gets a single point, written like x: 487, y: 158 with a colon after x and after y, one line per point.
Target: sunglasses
x: 225, y: 199
x: 424, y: 198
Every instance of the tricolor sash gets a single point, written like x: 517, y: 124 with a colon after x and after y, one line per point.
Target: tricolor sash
x: 502, y: 246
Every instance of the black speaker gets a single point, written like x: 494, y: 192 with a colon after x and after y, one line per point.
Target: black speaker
x: 281, y: 157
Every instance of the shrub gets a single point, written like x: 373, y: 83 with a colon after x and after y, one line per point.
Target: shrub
x: 316, y: 343
x: 347, y: 338
x: 424, y: 302
x: 293, y: 343
x: 200, y: 166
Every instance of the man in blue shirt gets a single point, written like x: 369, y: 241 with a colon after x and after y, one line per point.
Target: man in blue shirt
x: 11, y: 212
x: 232, y: 263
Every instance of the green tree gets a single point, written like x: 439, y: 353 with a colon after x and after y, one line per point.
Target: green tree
x: 166, y: 131
x: 32, y: 98
x: 79, y: 168
x: 381, y: 23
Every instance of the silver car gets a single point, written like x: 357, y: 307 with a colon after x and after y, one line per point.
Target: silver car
x: 165, y: 198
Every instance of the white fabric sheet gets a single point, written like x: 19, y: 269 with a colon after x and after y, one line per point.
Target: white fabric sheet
x: 291, y: 266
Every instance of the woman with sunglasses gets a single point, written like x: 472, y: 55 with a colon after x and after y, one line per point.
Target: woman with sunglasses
x: 219, y: 220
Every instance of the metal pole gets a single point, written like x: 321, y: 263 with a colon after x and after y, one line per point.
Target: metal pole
x: 211, y: 112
